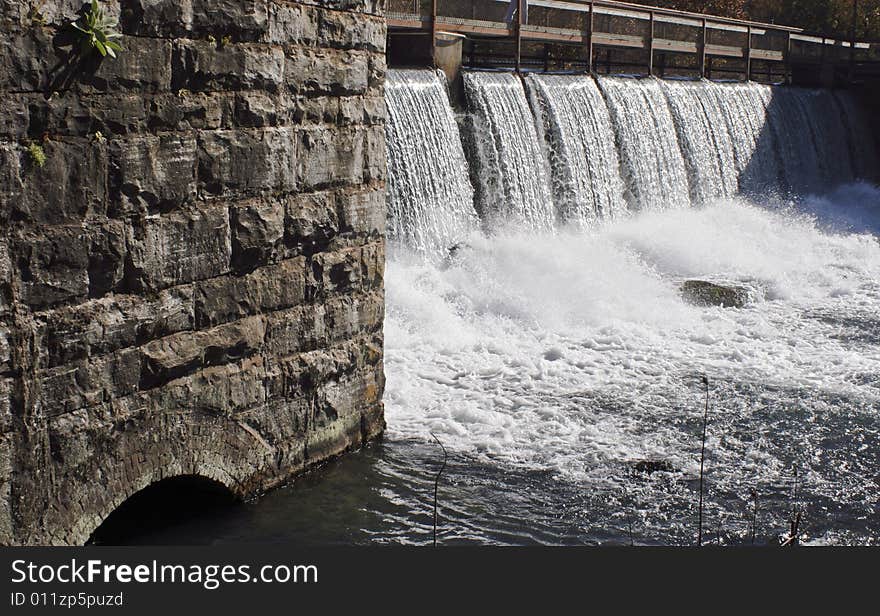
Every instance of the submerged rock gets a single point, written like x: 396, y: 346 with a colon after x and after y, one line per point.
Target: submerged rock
x: 704, y: 293
x: 649, y: 467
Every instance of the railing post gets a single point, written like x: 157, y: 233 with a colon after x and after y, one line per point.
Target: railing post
x: 434, y: 32
x: 852, y: 42
x: 590, y: 41
x: 703, y: 37
x: 787, y: 58
x: 519, y: 25
x: 748, y: 52
x: 651, y: 47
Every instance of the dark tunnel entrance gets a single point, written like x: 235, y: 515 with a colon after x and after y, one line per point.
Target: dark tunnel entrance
x: 176, y: 503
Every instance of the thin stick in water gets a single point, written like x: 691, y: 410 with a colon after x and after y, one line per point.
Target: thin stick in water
x: 703, y: 460
x: 754, y: 514
x: 437, y: 484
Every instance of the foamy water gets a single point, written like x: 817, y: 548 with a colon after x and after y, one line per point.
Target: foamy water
x: 575, y: 353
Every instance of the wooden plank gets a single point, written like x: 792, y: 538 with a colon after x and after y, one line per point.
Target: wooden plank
x: 725, y: 50
x: 619, y: 40
x: 768, y: 54
x: 409, y: 24
x: 676, y: 46
x: 567, y: 36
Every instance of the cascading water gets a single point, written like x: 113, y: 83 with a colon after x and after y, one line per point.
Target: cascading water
x: 744, y: 107
x: 556, y: 367
x: 862, y: 147
x: 585, y: 168
x: 654, y: 169
x: 430, y: 199
x: 796, y: 128
x: 705, y: 142
x: 831, y: 137
x: 511, y: 169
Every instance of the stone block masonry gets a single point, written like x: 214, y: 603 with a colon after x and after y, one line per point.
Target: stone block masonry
x: 191, y: 281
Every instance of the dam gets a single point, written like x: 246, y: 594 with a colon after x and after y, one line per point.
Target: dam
x: 568, y: 357
x: 276, y: 231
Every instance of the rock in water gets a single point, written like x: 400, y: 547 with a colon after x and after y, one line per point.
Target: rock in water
x: 703, y: 293
x: 649, y: 467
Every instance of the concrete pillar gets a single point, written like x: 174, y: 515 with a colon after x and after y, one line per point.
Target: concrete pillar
x: 448, y: 53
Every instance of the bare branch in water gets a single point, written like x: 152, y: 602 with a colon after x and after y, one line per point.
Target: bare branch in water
x: 702, y: 460
x: 437, y: 484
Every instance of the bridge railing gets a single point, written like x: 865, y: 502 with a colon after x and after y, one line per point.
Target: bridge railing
x: 519, y: 35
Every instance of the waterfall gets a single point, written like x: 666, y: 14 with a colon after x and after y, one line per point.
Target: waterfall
x: 863, y: 150
x: 744, y: 110
x: 655, y: 172
x: 579, y: 149
x: 705, y: 140
x: 832, y: 140
x: 790, y: 120
x: 585, y: 168
x: 430, y: 199
x: 511, y: 167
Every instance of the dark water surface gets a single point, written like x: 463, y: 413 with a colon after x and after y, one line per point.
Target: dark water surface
x: 383, y: 494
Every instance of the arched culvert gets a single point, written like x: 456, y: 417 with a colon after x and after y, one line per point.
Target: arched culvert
x: 168, y: 506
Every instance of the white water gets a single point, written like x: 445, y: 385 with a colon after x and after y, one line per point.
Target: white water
x: 573, y: 351
x: 430, y: 199
x: 755, y: 151
x: 706, y: 142
x: 510, y: 163
x: 576, y: 353
x: 654, y: 169
x: 585, y: 168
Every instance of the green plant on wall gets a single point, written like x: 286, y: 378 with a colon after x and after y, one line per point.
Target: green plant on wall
x: 98, y: 31
x: 37, y: 155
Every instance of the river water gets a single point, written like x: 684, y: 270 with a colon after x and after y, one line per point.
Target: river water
x: 559, y: 369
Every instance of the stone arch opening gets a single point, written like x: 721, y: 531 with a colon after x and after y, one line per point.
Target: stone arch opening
x: 169, y: 505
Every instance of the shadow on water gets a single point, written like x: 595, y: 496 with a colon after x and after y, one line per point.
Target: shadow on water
x: 814, y: 140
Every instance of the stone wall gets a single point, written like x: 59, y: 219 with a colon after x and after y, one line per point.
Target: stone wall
x: 191, y: 283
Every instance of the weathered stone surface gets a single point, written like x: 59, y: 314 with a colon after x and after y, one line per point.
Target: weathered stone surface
x: 351, y: 31
x: 202, y: 65
x: 5, y: 277
x: 102, y: 326
x: 152, y: 173
x: 311, y: 221
x: 52, y: 264
x: 55, y: 13
x: 362, y: 212
x: 111, y: 113
x: 330, y: 157
x: 69, y: 188
x: 182, y: 354
x: 144, y: 64
x: 88, y: 382
x: 24, y: 65
x: 292, y: 23
x: 247, y: 162
x: 328, y: 72
x: 268, y: 289
x: 192, y: 282
x: 178, y: 248
x: 703, y: 293
x: 257, y: 231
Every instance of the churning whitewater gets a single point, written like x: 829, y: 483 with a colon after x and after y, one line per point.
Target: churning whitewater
x: 572, y: 351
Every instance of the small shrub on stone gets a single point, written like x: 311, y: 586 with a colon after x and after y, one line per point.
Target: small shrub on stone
x: 37, y: 155
x: 97, y: 32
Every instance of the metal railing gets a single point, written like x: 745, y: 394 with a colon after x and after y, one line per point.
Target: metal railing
x: 626, y: 26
